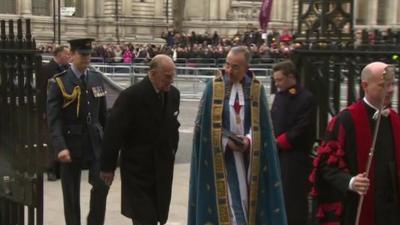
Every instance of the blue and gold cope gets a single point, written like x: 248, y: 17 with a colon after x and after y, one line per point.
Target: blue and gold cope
x: 208, y: 193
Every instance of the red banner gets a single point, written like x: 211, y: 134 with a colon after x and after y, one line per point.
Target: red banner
x: 265, y: 13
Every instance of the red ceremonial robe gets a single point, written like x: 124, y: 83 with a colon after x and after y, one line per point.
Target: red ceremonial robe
x: 342, y: 155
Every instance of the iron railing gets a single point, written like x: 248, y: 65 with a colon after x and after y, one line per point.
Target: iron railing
x: 22, y: 147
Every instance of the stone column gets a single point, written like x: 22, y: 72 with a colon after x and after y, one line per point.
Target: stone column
x: 25, y: 7
x: 127, y: 7
x: 90, y: 8
x: 372, y: 18
x: 99, y: 8
x: 274, y: 11
x: 282, y: 10
x: 213, y: 9
x: 391, y: 10
x: 158, y: 8
x: 290, y: 6
x: 194, y: 9
x: 360, y: 12
x: 224, y: 7
x: 398, y: 14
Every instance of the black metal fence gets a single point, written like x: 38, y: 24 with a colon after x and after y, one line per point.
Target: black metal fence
x: 333, y: 75
x: 23, y: 152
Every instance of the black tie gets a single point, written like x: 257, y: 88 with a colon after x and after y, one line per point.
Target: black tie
x: 162, y: 99
x: 83, y: 79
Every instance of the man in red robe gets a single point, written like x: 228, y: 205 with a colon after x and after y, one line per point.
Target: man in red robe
x: 339, y: 176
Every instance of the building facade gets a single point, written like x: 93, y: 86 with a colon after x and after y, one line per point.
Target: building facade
x: 145, y: 20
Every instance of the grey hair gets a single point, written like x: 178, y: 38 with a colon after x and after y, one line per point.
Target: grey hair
x: 242, y: 50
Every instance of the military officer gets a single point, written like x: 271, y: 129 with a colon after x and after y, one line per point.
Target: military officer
x: 76, y: 112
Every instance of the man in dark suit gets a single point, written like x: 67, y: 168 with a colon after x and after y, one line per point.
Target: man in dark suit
x: 293, y: 118
x: 143, y: 123
x: 76, y: 113
x: 58, y: 64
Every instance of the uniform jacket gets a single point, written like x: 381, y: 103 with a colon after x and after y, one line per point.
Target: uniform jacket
x: 147, y: 136
x: 68, y: 123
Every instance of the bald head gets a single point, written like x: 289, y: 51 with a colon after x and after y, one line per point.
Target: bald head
x: 375, y: 68
x: 375, y: 86
x: 159, y: 61
x: 162, y: 72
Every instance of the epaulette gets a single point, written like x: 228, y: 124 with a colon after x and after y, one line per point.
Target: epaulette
x: 60, y: 74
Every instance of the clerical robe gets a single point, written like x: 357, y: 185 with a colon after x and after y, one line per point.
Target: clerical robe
x: 344, y: 154
x: 226, y: 185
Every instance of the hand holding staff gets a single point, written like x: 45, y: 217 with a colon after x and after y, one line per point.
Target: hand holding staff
x: 387, y: 77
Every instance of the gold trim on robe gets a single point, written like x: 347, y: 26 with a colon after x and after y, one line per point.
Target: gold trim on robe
x: 256, y: 149
x: 218, y: 153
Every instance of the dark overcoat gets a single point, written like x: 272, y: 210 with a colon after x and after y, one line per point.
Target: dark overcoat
x: 147, y: 135
x: 293, y: 116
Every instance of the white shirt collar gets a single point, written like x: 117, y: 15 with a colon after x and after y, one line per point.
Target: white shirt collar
x: 385, y: 112
x: 77, y: 73
x: 369, y: 104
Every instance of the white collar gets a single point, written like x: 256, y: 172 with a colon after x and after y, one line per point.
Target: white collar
x: 385, y: 112
x: 369, y: 104
x: 77, y: 73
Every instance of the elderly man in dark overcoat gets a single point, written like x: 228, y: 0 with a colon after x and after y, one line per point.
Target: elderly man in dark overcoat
x: 143, y: 128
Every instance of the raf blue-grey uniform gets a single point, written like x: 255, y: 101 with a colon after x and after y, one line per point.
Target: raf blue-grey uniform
x: 76, y: 112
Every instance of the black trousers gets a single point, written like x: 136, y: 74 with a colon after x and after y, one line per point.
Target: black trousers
x: 71, y: 181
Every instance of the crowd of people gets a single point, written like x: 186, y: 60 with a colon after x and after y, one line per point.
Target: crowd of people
x: 180, y: 45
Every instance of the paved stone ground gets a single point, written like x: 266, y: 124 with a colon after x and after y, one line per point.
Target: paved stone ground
x: 53, y: 204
